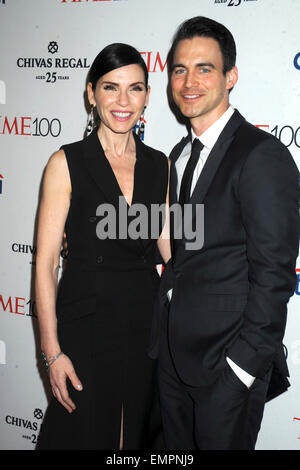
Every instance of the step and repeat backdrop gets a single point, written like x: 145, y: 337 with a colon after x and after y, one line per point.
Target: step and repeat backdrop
x: 46, y: 49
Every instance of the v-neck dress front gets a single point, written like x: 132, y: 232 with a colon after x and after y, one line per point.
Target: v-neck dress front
x: 104, y: 307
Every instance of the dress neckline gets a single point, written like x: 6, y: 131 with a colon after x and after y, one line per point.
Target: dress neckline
x: 115, y: 180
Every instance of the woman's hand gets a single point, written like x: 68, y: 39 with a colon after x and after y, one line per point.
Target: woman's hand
x: 61, y: 370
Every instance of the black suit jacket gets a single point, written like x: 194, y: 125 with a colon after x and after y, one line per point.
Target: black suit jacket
x: 230, y: 297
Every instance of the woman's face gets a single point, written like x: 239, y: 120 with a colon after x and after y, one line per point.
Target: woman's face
x: 120, y: 97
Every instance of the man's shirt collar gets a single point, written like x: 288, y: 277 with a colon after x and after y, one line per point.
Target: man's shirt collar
x: 210, y: 136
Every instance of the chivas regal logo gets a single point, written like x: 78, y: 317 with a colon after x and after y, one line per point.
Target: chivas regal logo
x: 53, y: 67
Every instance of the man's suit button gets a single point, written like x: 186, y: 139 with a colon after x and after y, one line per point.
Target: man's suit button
x: 144, y: 259
x: 92, y: 219
x: 99, y: 259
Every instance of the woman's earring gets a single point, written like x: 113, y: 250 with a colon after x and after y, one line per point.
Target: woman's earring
x: 91, y: 121
x: 141, y: 128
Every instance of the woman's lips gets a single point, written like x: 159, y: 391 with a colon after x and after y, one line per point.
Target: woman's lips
x: 121, y: 115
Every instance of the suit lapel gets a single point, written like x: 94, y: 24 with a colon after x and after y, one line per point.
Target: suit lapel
x: 209, y: 170
x: 215, y: 158
x: 176, y: 152
x: 211, y: 165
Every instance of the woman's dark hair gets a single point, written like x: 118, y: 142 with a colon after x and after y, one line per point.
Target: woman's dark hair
x: 206, y: 27
x: 113, y: 57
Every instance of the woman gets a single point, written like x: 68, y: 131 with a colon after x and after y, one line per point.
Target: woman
x: 94, y: 336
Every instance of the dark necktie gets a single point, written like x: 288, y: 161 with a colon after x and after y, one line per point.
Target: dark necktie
x: 186, y: 182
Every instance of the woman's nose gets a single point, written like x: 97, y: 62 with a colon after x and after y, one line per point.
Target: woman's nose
x: 123, y: 99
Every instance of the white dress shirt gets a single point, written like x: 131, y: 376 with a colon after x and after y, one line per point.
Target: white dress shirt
x: 208, y: 139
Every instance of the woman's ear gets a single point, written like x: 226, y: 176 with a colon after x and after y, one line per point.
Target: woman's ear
x: 90, y: 93
x: 147, y: 95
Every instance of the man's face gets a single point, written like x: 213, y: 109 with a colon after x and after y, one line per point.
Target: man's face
x: 199, y: 87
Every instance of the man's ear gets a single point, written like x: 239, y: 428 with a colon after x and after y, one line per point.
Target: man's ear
x: 231, y: 78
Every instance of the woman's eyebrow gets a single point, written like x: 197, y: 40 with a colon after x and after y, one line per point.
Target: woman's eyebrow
x: 110, y: 83
x: 117, y: 84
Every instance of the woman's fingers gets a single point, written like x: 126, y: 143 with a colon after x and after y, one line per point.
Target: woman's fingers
x: 75, y: 380
x: 64, y: 401
x: 60, y: 371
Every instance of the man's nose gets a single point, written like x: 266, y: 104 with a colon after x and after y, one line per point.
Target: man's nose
x: 190, y: 79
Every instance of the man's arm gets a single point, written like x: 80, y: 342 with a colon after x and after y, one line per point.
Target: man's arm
x: 269, y: 200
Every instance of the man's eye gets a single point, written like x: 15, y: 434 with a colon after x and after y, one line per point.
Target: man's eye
x: 204, y: 70
x: 178, y: 71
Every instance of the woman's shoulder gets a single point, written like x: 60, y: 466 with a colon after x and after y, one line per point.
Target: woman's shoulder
x: 72, y: 146
x: 56, y: 170
x: 57, y: 159
x: 156, y: 154
x: 75, y: 151
x: 60, y: 160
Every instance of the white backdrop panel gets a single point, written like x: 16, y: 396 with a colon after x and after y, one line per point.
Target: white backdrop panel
x: 45, y: 49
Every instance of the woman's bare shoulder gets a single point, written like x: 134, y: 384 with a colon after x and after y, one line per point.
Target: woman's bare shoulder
x: 57, y: 171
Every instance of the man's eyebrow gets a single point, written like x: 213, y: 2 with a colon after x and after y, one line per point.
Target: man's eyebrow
x: 175, y: 66
x: 206, y: 64
x: 200, y: 64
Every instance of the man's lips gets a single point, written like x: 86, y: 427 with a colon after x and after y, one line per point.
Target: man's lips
x: 191, y: 96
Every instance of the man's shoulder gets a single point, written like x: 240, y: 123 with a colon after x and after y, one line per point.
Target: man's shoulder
x: 258, y: 148
x: 257, y: 135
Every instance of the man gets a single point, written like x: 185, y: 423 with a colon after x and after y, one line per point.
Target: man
x: 219, y: 339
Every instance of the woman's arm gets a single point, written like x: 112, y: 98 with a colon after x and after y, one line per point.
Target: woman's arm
x: 53, y: 212
x: 163, y: 242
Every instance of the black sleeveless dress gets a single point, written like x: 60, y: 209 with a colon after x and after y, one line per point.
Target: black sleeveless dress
x: 104, y: 306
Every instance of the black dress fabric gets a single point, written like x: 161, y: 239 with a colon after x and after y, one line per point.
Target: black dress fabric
x: 104, y: 307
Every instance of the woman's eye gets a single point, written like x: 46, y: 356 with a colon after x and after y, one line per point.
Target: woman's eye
x: 137, y: 88
x: 109, y: 87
